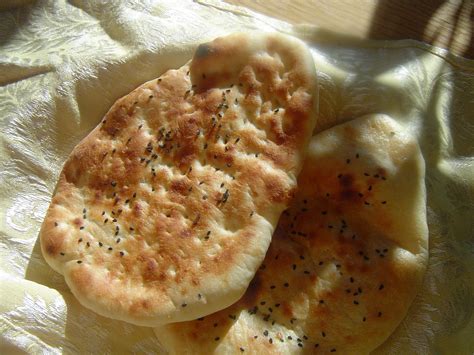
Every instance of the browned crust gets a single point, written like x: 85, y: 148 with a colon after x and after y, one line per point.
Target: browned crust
x: 182, y: 182
x: 338, y: 273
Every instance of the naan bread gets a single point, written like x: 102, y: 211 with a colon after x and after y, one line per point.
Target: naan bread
x: 165, y: 211
x: 346, y: 260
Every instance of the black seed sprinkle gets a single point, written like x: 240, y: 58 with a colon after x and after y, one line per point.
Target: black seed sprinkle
x: 286, y: 284
x: 88, y: 244
x: 323, y: 334
x: 294, y: 266
x: 55, y: 224
x: 333, y: 350
x: 110, y: 248
x: 79, y: 262
x: 364, y: 319
x: 381, y: 287
x: 370, y: 188
x: 215, y: 325
x: 316, y: 345
x: 300, y: 345
x: 81, y: 228
x: 80, y: 240
x: 265, y: 333
x: 270, y: 341
x: 324, y: 213
x: 379, y: 314
x: 216, y: 338
x: 306, y: 272
x: 321, y: 301
x: 62, y: 253
x: 356, y: 302
x: 100, y: 244
x: 276, y: 111
x: 242, y: 349
x: 351, y: 279
x: 272, y: 287
x: 113, y: 183
x: 384, y: 202
x: 184, y: 305
x: 348, y: 161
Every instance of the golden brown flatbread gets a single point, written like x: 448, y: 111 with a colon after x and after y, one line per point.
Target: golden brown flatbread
x: 346, y: 260
x: 165, y: 211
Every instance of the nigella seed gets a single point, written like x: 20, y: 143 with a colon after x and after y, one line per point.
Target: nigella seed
x: 351, y: 279
x: 242, y: 349
x: 62, y: 253
x: 113, y: 183
x: 184, y: 305
x: 265, y: 333
x: 356, y: 302
x: 286, y: 284
x: 321, y: 301
x: 381, y: 287
x: 323, y: 334
x: 55, y: 224
x: 79, y: 262
x: 88, y: 244
x: 379, y: 314
x: 348, y: 161
x: 270, y: 341
x: 300, y: 345
x: 333, y: 350
x: 122, y: 253
x: 316, y: 345
x: 370, y: 188
x: 294, y: 266
x: 80, y: 240
x: 110, y: 248
x: 117, y: 241
x: 81, y: 228
x: 384, y: 202
x: 100, y: 244
x: 216, y: 338
x: 364, y: 319
x: 272, y: 287
x: 276, y: 111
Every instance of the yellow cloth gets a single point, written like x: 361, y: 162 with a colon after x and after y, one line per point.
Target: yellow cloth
x: 62, y: 65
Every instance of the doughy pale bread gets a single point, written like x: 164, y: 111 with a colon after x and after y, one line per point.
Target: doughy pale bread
x: 165, y: 211
x: 346, y: 260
